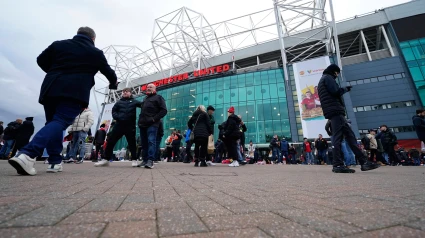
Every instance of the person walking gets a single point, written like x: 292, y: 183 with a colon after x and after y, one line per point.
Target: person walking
x: 419, y: 124
x: 284, y: 149
x: 153, y: 110
x: 99, y: 139
x: 373, y: 146
x: 200, y: 124
x: 275, y: 147
x: 10, y: 134
x: 388, y: 140
x: 124, y: 114
x: 231, y: 134
x: 23, y: 134
x: 210, y: 111
x: 79, y: 129
x: 308, y: 151
x: 330, y: 95
x: 321, y: 149
x: 70, y: 66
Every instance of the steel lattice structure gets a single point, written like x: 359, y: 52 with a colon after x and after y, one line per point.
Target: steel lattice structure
x: 184, y: 40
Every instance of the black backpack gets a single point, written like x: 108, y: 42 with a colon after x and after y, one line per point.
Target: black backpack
x: 366, y: 142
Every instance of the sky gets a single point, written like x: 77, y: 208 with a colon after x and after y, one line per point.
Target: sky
x: 27, y: 27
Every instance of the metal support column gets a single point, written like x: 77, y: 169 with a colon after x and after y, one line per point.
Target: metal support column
x: 387, y: 41
x: 281, y: 42
x: 365, y: 45
x: 335, y: 36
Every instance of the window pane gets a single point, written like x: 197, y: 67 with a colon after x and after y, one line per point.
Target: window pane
x: 354, y: 109
x: 360, y: 81
x: 353, y: 83
x: 360, y: 109
x: 389, y: 77
x: 408, y: 54
x: 374, y: 80
x: 416, y: 73
x: 367, y: 81
x: 382, y: 78
x: 397, y: 76
x: 367, y: 108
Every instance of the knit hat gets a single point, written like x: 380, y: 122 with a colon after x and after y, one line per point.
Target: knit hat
x: 333, y: 68
x: 231, y: 110
x: 210, y: 108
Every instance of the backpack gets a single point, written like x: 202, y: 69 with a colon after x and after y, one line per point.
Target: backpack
x: 366, y: 142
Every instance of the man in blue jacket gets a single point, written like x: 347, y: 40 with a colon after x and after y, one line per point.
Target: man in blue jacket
x: 284, y: 148
x: 70, y: 66
x: 333, y: 107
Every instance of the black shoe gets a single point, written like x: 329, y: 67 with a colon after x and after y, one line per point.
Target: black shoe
x: 149, y: 164
x: 79, y: 162
x: 203, y: 163
x: 143, y: 164
x: 343, y: 169
x: 196, y: 163
x: 242, y: 162
x: 369, y: 166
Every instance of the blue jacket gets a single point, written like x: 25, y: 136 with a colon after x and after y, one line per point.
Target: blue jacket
x: 187, y: 136
x: 70, y: 66
x: 284, y: 145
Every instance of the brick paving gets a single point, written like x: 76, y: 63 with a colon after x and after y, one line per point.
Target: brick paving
x: 179, y: 200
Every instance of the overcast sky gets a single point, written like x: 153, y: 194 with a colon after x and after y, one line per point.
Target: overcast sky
x: 27, y: 27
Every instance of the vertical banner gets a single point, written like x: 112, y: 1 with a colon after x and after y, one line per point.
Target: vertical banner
x: 307, y: 75
x: 107, y: 116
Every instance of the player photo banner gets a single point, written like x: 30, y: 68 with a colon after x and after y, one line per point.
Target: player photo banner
x: 307, y: 75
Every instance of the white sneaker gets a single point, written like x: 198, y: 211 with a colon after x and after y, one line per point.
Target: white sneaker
x: 102, y: 163
x: 210, y: 163
x: 54, y: 168
x: 23, y: 164
x: 134, y: 163
x: 235, y: 163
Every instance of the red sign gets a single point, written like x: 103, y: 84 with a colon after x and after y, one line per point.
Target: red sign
x: 185, y: 76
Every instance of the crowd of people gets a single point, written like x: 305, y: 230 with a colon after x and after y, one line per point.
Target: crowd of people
x: 70, y: 67
x: 14, y: 136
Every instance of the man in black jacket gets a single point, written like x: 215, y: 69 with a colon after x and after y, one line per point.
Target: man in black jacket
x: 330, y: 95
x: 388, y: 140
x: 419, y: 123
x: 99, y: 140
x: 23, y: 134
x: 321, y: 149
x: 70, y: 66
x: 230, y: 136
x: 10, y: 134
x: 176, y: 145
x: 153, y: 110
x: 124, y: 113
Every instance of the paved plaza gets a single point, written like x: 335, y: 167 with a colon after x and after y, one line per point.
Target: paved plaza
x: 179, y: 200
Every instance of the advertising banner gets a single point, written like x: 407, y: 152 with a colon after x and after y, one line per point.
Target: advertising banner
x: 307, y: 75
x: 107, y: 116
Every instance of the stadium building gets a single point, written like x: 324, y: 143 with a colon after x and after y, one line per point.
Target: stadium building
x: 265, y: 64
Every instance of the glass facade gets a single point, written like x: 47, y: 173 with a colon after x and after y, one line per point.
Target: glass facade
x: 259, y: 97
x: 414, y: 54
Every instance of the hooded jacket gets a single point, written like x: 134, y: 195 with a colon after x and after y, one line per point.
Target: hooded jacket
x: 419, y: 123
x: 125, y: 110
x: 330, y: 95
x: 231, y: 129
x: 82, y: 122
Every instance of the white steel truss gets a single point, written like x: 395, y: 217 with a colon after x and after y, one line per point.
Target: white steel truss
x: 184, y: 40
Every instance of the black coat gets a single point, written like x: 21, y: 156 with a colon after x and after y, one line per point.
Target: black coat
x: 202, y: 129
x: 153, y: 110
x: 160, y: 132
x: 221, y: 130
x: 70, y: 66
x: 419, y: 124
x: 243, y: 129
x: 330, y: 95
x: 388, y: 139
x: 274, y: 143
x: 24, y: 133
x: 11, y: 131
x: 100, y: 136
x: 125, y: 110
x: 1, y: 130
x: 231, y: 129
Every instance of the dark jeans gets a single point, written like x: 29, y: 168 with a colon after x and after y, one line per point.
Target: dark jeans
x: 176, y: 151
x: 7, y: 147
x: 323, y: 155
x: 218, y: 156
x: 122, y: 129
x: 232, y: 148
x: 341, y: 129
x: 201, y: 147
x: 275, y: 155
x: 393, y: 159
x: 373, y: 153
x: 158, y: 149
x: 148, y: 136
x: 59, y: 115
x: 98, y: 150
x: 188, y: 151
x: 169, y: 153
